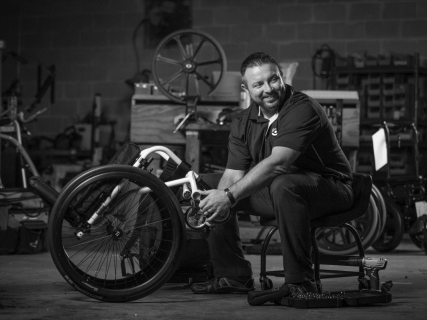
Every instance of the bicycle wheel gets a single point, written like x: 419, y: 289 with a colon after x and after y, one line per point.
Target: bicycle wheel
x: 339, y: 240
x: 393, y: 231
x: 131, y: 249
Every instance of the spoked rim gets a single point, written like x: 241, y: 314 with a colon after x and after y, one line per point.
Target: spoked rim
x: 341, y: 241
x: 127, y: 253
x: 188, y: 69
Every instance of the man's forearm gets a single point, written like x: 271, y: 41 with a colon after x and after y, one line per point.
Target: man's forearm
x: 261, y: 176
x: 229, y: 178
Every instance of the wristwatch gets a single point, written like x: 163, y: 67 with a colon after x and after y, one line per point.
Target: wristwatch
x: 230, y: 196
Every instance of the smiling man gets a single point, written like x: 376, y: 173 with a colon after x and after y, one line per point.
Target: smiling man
x: 284, y: 162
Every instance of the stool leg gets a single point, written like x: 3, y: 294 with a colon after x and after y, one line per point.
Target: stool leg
x: 316, y: 260
x: 363, y: 282
x: 356, y: 238
x: 263, y: 279
x: 258, y: 238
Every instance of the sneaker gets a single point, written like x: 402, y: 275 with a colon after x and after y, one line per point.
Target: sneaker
x: 225, y: 285
x: 302, y: 288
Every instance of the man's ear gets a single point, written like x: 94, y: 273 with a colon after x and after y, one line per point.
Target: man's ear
x: 243, y: 86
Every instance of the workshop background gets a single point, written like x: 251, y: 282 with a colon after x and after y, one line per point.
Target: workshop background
x: 89, y: 61
x: 91, y: 43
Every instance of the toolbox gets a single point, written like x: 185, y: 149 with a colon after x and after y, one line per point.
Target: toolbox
x: 352, y: 298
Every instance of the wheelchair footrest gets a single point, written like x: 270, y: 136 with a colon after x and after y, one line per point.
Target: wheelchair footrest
x: 337, y: 299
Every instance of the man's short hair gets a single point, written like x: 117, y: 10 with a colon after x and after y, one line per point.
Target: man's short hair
x: 258, y: 59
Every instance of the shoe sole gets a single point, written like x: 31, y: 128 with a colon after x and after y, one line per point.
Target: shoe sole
x: 225, y: 290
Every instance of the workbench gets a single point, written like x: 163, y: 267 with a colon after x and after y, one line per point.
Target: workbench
x: 154, y: 120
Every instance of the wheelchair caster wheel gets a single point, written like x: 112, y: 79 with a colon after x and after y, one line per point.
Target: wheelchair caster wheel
x: 194, y: 219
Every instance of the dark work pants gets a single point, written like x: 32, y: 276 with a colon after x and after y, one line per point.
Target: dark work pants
x: 293, y: 199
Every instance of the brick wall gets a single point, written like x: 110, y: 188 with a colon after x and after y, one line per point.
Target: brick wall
x: 90, y: 42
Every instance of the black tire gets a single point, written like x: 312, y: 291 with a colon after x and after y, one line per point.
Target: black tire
x: 393, y: 231
x: 382, y: 210
x: 132, y: 249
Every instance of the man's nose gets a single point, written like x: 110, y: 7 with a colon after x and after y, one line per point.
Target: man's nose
x: 267, y: 87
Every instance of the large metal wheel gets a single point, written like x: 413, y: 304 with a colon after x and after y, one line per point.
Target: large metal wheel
x: 132, y: 247
x: 188, y: 63
x: 340, y: 241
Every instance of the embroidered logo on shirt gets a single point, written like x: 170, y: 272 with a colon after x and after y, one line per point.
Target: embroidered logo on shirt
x: 274, y: 132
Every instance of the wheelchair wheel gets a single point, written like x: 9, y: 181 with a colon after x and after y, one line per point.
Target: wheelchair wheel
x: 340, y: 241
x: 132, y: 247
x: 393, y: 231
x: 382, y: 210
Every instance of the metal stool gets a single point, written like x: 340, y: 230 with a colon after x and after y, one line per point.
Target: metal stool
x: 362, y: 185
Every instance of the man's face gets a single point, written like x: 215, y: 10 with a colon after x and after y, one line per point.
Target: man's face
x: 265, y: 86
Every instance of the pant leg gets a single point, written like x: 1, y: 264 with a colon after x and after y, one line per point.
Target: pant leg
x: 224, y: 240
x: 226, y: 250
x: 225, y: 247
x: 298, y: 198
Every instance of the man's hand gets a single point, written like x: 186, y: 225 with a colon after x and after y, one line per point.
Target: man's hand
x: 215, y: 203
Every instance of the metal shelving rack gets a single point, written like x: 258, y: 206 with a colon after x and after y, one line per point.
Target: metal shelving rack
x: 372, y: 121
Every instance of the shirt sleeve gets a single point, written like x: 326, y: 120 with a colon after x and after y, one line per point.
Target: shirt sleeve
x: 239, y: 157
x: 298, y: 126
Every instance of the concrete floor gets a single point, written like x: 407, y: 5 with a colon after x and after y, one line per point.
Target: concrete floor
x: 32, y: 288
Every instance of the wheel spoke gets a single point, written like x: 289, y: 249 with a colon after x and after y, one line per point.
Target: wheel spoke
x: 181, y: 47
x: 198, y: 48
x: 325, y: 233
x: 168, y: 60
x: 103, y: 258
x: 205, y: 63
x: 176, y: 75
x: 124, y: 223
x: 210, y: 85
x: 93, y: 255
x: 88, y: 242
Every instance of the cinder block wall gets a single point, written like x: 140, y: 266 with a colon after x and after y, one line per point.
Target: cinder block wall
x: 90, y: 42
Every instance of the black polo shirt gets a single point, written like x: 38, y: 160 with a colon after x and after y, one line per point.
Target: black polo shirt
x: 301, y: 125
